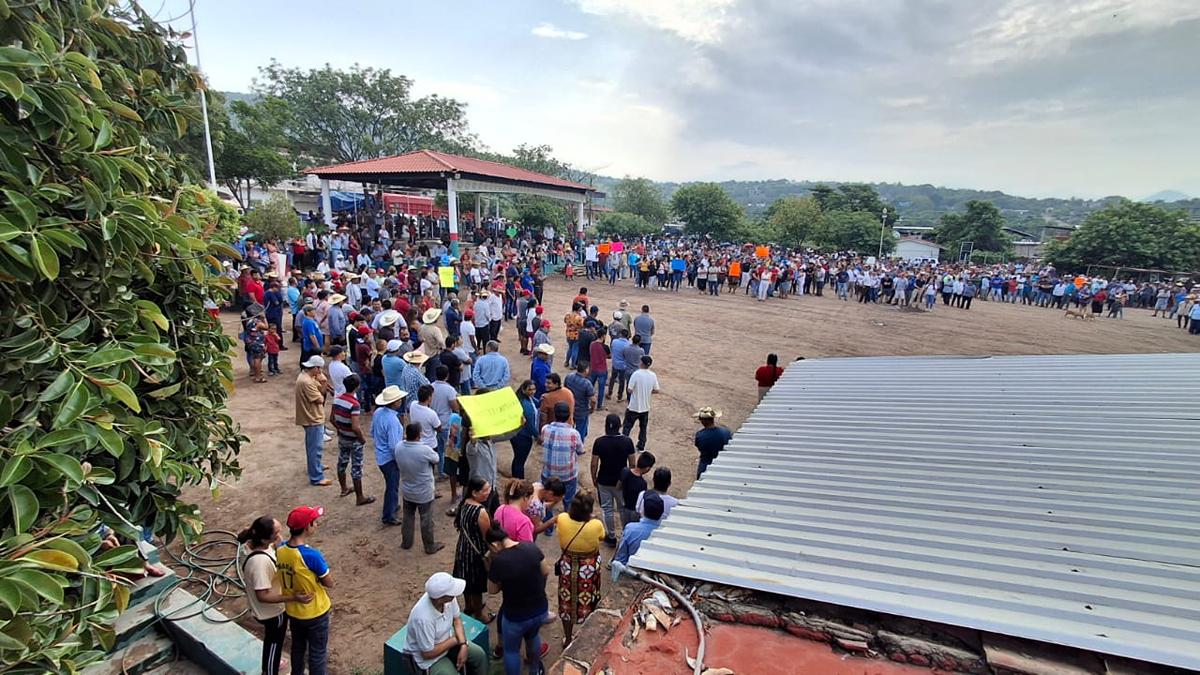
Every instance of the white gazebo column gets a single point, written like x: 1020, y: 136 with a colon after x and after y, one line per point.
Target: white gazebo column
x: 579, y: 227
x: 326, y: 204
x: 478, y: 216
x: 452, y: 207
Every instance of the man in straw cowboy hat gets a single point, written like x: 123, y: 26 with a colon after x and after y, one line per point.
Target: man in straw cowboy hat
x: 412, y: 377
x: 310, y: 414
x: 711, y: 439
x: 387, y: 432
x: 432, y: 339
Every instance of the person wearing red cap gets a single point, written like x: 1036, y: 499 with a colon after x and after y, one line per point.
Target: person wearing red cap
x: 303, y: 571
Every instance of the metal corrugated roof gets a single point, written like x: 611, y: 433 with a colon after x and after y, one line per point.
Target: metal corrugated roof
x: 1052, y: 498
x: 431, y: 161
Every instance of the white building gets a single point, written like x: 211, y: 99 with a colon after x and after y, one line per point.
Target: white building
x: 915, y: 248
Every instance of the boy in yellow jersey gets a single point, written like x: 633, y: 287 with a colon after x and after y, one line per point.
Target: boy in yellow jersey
x: 303, y: 570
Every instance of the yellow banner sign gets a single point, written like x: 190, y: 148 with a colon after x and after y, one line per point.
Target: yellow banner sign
x: 446, y: 277
x: 494, y: 413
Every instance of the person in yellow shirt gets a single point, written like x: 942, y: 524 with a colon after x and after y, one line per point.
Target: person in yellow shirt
x: 579, y: 535
x: 302, y: 570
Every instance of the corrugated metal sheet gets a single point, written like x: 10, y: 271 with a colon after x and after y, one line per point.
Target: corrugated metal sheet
x: 431, y: 161
x: 1052, y: 498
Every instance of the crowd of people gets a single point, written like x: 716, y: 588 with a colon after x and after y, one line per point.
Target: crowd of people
x: 403, y: 337
x: 671, y: 263
x: 401, y: 345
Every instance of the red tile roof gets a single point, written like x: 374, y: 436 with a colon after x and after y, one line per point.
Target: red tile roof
x: 431, y: 161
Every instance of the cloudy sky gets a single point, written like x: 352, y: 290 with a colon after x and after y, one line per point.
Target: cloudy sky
x: 1035, y: 97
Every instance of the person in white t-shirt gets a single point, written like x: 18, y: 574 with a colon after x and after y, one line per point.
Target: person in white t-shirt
x: 642, y: 384
x: 338, y: 370
x: 263, y: 595
x: 436, y: 633
x: 422, y: 412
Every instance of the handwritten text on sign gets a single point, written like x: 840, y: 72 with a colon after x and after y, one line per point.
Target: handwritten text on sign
x: 494, y: 413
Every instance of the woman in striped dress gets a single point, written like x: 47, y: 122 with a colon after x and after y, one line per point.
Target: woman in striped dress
x: 472, y: 522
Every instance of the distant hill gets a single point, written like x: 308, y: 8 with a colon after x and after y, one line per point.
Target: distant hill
x: 1167, y: 196
x: 925, y: 204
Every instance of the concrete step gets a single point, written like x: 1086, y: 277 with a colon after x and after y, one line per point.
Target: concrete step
x: 147, y: 587
x: 140, y: 656
x: 178, y: 668
x: 210, y: 640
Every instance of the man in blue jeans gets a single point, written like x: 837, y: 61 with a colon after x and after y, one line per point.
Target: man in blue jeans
x: 311, y: 386
x: 563, y: 447
x: 387, y: 431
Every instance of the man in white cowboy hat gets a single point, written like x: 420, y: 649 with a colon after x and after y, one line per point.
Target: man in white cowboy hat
x: 387, y: 432
x: 310, y: 414
x: 711, y: 439
x: 354, y: 297
x: 623, y: 317
x: 412, y: 377
x: 436, y: 639
x: 336, y: 319
x: 432, y: 339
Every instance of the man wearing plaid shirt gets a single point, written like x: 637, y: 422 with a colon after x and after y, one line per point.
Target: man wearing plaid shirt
x: 563, y: 446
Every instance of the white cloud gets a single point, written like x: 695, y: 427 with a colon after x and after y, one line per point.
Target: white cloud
x: 701, y: 21
x: 552, y: 32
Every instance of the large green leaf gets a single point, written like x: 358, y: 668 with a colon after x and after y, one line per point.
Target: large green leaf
x: 24, y: 505
x: 15, y: 57
x: 48, y: 586
x: 77, y: 402
x: 10, y: 595
x: 44, y: 258
x: 108, y: 357
x: 64, y: 464
x: 60, y: 438
x: 58, y: 388
x: 15, y: 468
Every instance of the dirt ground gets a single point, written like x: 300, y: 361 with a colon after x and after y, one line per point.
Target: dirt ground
x: 705, y: 349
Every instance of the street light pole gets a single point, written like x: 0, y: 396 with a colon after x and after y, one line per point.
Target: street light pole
x: 882, y: 226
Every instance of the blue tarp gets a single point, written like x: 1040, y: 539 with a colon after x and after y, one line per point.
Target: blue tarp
x: 350, y: 201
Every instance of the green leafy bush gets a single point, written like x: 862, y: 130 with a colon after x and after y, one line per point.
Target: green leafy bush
x: 113, y: 378
x: 274, y: 219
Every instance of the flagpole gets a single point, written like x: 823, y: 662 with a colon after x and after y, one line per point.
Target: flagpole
x: 212, y: 169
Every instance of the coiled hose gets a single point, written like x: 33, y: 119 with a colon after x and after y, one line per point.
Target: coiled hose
x: 218, y: 573
x: 699, y: 667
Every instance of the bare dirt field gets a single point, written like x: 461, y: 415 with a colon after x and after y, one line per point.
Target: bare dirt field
x: 705, y: 350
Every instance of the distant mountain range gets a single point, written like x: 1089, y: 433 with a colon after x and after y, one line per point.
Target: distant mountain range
x: 924, y: 205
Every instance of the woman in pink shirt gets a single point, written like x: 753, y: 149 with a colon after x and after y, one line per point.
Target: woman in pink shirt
x: 511, y: 514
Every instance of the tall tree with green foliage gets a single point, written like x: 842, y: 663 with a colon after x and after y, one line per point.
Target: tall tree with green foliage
x: 113, y: 377
x: 704, y: 208
x: 250, y: 152
x: 640, y: 197
x: 1131, y: 234
x: 625, y: 226
x: 982, y: 224
x: 792, y: 220
x: 852, y: 230
x: 361, y: 113
x: 853, y: 197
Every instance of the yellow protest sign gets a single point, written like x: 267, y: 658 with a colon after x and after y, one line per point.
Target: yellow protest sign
x: 494, y: 413
x: 446, y: 277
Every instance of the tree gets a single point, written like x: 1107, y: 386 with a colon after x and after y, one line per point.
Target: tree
x: 1131, y: 234
x: 538, y: 212
x: 220, y: 221
x: 114, y: 377
x: 274, y: 220
x: 363, y: 113
x: 250, y: 153
x: 793, y: 219
x: 704, y: 208
x: 625, y: 225
x: 853, y: 197
x: 982, y: 224
x: 641, y: 197
x: 852, y: 230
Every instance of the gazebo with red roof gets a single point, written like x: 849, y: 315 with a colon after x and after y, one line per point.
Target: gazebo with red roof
x: 430, y: 169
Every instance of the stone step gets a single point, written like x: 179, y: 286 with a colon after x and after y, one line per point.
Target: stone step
x: 178, y: 668
x: 140, y: 656
x: 147, y: 587
x: 141, y: 618
x: 210, y: 640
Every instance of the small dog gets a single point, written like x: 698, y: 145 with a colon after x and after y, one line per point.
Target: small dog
x: 1084, y: 313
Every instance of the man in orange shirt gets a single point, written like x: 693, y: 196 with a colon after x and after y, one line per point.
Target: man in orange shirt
x: 555, y: 393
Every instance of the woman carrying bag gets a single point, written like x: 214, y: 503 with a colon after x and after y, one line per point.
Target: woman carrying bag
x: 578, y: 570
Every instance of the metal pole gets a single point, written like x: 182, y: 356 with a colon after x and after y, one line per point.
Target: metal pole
x: 452, y: 208
x: 882, y: 225
x: 212, y: 169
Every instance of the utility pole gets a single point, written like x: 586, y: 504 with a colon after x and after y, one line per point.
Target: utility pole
x: 882, y: 227
x: 212, y: 170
